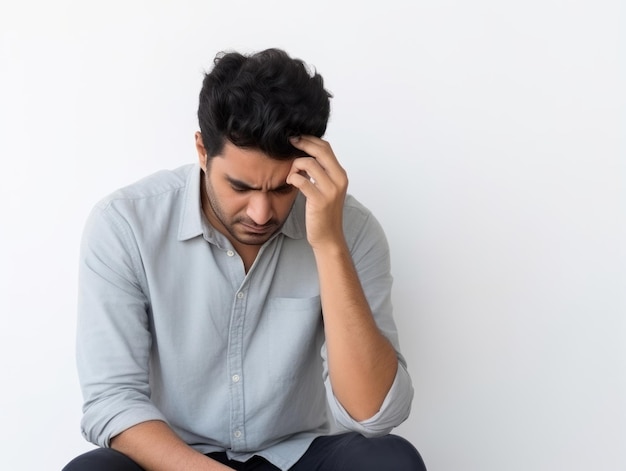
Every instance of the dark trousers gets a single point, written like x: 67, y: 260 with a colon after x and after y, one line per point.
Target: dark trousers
x: 345, y: 452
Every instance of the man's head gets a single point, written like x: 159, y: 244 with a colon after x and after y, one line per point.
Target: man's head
x: 249, y: 108
x: 259, y: 101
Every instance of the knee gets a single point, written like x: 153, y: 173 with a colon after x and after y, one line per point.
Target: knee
x: 393, y: 452
x: 408, y: 456
x: 102, y: 459
x: 77, y: 464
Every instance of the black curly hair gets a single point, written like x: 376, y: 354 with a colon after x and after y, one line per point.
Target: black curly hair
x: 259, y: 101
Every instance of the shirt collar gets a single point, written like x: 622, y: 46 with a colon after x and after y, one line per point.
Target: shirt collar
x: 191, y: 218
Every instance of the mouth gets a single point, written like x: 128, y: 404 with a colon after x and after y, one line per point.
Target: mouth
x: 257, y: 230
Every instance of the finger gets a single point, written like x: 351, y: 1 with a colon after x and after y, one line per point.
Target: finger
x: 304, y: 183
x: 322, y: 155
x: 311, y: 169
x: 320, y: 150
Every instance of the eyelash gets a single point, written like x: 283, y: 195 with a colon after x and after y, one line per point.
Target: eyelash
x: 284, y: 190
x: 279, y: 191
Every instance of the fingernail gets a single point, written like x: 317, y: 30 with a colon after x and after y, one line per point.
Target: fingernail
x: 294, y: 138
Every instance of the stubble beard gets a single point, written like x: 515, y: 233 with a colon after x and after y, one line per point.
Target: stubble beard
x: 215, y: 209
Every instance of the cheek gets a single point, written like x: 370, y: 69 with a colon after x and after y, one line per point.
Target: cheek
x: 230, y: 203
x: 235, y: 203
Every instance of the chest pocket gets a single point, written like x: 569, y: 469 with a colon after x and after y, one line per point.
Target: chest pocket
x: 295, y: 337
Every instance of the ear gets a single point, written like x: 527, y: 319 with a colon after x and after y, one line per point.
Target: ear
x: 202, y: 157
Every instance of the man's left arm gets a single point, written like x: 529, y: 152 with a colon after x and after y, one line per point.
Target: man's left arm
x: 362, y: 362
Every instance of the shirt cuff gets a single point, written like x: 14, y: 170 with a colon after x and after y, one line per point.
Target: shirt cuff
x: 99, y: 427
x: 394, y: 410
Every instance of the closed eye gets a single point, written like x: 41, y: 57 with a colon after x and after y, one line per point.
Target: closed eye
x: 240, y: 189
x: 283, y: 189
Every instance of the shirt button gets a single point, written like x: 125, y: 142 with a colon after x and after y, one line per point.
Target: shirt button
x: 236, y: 378
x: 237, y: 434
x: 240, y: 295
x: 230, y: 253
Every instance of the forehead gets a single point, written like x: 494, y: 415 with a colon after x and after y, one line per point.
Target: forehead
x: 250, y: 166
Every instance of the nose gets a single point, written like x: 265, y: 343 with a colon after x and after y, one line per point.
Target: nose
x: 259, y: 208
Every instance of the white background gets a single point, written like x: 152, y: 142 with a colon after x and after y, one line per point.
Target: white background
x: 485, y: 136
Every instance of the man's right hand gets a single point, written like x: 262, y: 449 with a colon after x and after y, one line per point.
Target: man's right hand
x: 155, y: 447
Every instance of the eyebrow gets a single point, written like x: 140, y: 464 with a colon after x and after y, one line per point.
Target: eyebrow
x: 244, y: 186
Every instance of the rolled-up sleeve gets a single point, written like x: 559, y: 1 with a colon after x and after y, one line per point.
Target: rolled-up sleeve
x: 113, y: 337
x: 394, y: 410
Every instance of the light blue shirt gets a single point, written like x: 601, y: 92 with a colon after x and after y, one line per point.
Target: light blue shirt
x: 170, y: 327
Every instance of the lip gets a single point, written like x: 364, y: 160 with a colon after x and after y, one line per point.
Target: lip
x: 259, y: 230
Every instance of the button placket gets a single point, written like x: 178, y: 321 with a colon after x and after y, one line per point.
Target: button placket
x: 235, y: 368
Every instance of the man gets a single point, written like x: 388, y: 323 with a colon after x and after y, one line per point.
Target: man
x: 224, y: 307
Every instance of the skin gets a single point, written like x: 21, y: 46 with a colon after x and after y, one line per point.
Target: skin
x: 247, y: 197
